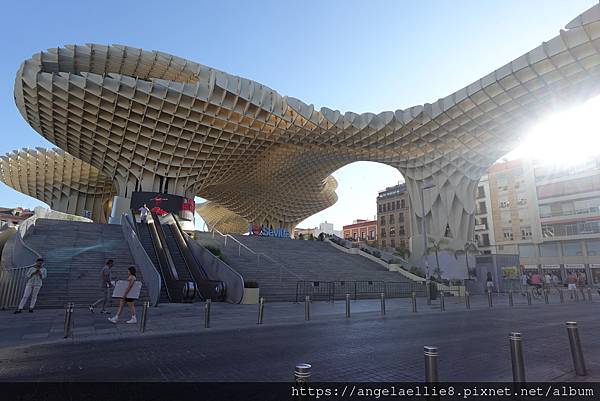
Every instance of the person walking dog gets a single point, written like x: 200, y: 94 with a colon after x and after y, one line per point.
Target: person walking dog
x: 37, y: 274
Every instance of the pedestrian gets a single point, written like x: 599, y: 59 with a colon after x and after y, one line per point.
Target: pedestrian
x: 489, y: 283
x: 524, y: 280
x: 555, y: 281
x: 105, y: 286
x: 536, y: 282
x: 37, y: 274
x: 144, y: 213
x: 547, y: 281
x: 131, y: 279
x: 572, y: 284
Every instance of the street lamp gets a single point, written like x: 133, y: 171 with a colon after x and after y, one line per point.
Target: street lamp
x: 425, y: 185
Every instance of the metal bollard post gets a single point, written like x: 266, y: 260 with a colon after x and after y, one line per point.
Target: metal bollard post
x: 144, y: 316
x: 467, y: 299
x: 428, y: 292
x: 261, y: 310
x: 576, y: 352
x: 431, y: 364
x: 383, y: 303
x: 442, y: 302
x: 516, y: 357
x: 307, y: 307
x: 302, y: 373
x: 510, y: 298
x: 68, y: 319
x: 414, y: 302
x: 347, y: 305
x: 528, y: 298
x: 589, y: 291
x: 490, y: 304
x: 561, y: 295
x: 207, y: 313
x: 546, y: 297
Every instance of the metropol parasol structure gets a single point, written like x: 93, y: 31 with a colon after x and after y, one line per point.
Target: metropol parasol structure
x: 125, y: 119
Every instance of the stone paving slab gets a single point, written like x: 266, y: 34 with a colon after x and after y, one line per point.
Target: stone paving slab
x: 47, y: 325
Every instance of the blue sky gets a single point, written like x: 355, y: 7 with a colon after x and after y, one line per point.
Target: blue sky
x: 349, y: 55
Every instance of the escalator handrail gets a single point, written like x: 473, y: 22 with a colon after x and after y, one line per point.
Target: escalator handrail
x: 161, y: 237
x: 185, y: 250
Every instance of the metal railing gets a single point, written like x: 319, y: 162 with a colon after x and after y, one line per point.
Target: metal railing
x: 332, y: 290
x: 12, y: 285
x: 259, y: 255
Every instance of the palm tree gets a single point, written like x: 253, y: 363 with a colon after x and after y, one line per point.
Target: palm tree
x: 470, y: 246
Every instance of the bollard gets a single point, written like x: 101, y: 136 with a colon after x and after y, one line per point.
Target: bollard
x: 414, y: 302
x: 561, y: 295
x: 467, y: 299
x: 383, y: 303
x: 442, y: 302
x: 302, y: 373
x: 546, y: 297
x: 207, y: 313
x: 528, y: 298
x: 428, y: 292
x: 490, y: 304
x: 431, y: 364
x: 347, y: 305
x: 261, y: 310
x: 68, y: 319
x: 510, y: 298
x: 144, y: 316
x: 307, y: 308
x: 589, y: 294
x: 576, y: 296
x: 576, y: 352
x: 516, y: 356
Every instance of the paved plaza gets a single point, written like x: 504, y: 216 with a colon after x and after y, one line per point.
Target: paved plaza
x: 473, y: 343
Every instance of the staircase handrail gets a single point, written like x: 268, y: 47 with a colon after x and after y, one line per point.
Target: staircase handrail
x: 258, y: 254
x: 12, y: 283
x: 141, y: 258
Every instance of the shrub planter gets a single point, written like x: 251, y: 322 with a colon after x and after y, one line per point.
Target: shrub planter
x: 250, y: 296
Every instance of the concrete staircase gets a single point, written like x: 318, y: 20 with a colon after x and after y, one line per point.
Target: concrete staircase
x: 290, y: 261
x: 74, y: 253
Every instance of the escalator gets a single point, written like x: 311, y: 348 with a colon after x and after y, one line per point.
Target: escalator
x: 175, y: 288
x: 187, y: 266
x: 143, y: 231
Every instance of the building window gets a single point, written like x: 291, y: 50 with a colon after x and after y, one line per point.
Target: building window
x: 392, y: 231
x: 401, y: 230
x: 363, y: 234
x: 391, y: 219
x: 480, y: 192
x: 382, y: 219
x: 526, y: 251
x: 400, y: 217
x: 393, y: 205
x: 379, y: 208
x: 372, y: 235
x: 389, y: 207
x: 382, y: 232
x: 398, y: 204
x: 354, y: 235
x: 549, y: 250
x: 508, y: 234
x: 593, y: 247
x: 393, y: 243
x: 525, y: 232
x: 384, y: 208
x: 485, y: 240
x: 481, y: 208
x: 572, y: 248
x: 402, y: 204
x: 402, y: 243
x: 504, y: 204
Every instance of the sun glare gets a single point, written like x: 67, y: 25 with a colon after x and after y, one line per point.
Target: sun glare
x: 564, y: 138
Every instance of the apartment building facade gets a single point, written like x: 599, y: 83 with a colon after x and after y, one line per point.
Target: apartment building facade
x: 393, y: 218
x: 548, y: 215
x: 361, y: 231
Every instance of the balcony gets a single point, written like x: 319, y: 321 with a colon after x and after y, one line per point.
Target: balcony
x: 481, y: 227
